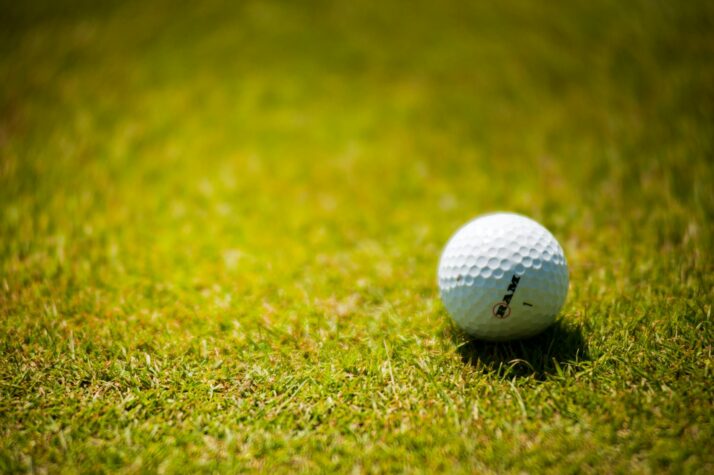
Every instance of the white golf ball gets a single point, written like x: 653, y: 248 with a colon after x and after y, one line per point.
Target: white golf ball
x: 503, y: 276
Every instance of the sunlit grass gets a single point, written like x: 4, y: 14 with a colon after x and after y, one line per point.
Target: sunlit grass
x: 219, y: 229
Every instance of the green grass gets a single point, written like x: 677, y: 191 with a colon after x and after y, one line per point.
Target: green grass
x: 220, y: 224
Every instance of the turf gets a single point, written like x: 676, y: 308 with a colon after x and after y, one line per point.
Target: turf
x: 220, y: 224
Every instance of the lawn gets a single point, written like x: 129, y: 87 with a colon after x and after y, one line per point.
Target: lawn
x: 220, y: 226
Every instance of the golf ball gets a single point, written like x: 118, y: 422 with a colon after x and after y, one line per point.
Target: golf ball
x: 503, y: 276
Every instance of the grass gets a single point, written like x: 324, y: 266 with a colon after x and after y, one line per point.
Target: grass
x: 219, y: 229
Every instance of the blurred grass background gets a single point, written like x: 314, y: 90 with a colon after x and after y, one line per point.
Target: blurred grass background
x: 220, y: 223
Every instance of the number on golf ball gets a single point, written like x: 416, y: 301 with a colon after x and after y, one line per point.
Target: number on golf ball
x: 503, y: 276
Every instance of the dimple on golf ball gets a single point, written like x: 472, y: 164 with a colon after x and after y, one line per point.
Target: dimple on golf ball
x: 503, y: 276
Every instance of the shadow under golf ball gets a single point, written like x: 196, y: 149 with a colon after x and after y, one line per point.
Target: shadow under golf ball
x: 559, y: 350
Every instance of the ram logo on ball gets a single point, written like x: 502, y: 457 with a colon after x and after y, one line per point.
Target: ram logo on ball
x: 502, y: 309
